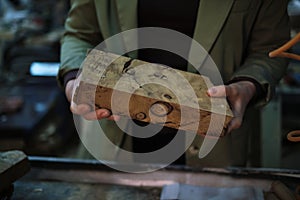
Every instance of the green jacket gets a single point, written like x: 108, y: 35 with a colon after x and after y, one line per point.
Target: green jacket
x: 237, y: 34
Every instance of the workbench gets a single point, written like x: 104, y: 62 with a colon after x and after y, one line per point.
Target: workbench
x: 61, y: 178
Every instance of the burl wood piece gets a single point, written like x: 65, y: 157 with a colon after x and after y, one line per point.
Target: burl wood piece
x: 13, y: 165
x: 151, y: 93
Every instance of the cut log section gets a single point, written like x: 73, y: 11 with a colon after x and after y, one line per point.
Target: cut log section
x: 151, y: 93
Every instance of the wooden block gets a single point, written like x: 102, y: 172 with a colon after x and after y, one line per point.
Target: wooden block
x: 151, y: 93
x: 13, y: 165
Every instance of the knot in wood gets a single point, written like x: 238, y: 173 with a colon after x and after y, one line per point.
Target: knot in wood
x: 161, y: 108
x: 140, y: 116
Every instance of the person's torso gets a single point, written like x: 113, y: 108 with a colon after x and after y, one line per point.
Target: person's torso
x: 177, y: 15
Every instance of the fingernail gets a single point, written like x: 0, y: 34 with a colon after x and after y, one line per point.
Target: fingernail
x: 212, y: 91
x: 104, y: 114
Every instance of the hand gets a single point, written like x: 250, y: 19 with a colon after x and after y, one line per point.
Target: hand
x: 238, y: 94
x: 86, y: 110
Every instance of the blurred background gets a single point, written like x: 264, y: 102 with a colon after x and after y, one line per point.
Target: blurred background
x: 34, y: 113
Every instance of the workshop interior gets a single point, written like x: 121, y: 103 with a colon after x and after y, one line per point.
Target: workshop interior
x: 48, y: 160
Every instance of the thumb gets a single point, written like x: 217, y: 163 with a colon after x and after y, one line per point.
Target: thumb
x: 69, y: 89
x: 217, y: 91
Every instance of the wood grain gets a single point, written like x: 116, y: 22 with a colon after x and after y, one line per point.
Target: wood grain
x: 151, y: 93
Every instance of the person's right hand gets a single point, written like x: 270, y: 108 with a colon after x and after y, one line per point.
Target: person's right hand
x: 239, y: 95
x: 85, y: 110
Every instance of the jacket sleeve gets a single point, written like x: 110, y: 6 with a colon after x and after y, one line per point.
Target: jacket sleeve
x: 81, y: 33
x: 271, y: 30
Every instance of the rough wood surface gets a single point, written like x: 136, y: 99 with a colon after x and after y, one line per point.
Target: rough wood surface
x: 151, y: 93
x: 13, y: 165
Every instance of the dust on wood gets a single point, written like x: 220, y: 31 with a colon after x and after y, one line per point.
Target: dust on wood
x: 151, y: 93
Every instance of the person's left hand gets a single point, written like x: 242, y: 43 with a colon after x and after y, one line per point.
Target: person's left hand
x: 238, y: 94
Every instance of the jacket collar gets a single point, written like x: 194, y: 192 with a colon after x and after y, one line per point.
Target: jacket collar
x: 127, y: 13
x: 211, y: 17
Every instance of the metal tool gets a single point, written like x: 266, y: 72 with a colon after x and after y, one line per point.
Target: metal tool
x: 281, y: 51
x: 293, y: 136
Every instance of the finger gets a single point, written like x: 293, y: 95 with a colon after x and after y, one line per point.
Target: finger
x: 90, y: 116
x: 217, y: 91
x: 97, y: 114
x: 80, y: 109
x: 69, y: 90
x: 114, y: 117
x: 235, y: 123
